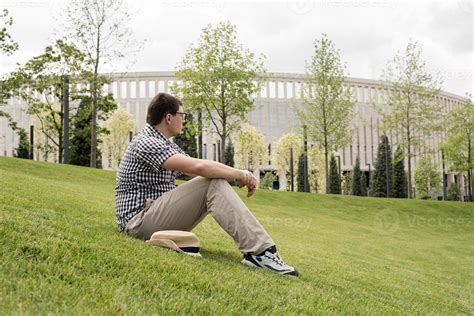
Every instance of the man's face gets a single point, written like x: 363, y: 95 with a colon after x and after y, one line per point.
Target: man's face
x: 178, y: 121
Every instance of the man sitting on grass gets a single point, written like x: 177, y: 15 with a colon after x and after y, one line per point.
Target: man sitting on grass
x: 147, y: 199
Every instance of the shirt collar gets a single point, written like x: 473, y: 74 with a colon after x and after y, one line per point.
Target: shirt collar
x: 154, y: 132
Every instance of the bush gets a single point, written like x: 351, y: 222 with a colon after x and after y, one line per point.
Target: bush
x: 454, y: 193
x: 267, y: 181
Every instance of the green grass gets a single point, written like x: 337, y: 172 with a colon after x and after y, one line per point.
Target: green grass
x: 61, y: 254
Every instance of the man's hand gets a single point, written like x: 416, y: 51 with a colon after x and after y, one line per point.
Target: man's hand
x: 248, y: 179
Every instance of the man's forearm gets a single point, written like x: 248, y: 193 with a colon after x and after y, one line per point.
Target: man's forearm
x: 213, y: 169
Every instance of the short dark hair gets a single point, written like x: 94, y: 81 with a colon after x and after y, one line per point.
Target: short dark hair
x: 162, y: 104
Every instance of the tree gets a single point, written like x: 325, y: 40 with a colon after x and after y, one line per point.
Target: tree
x: 316, y: 165
x: 7, y: 44
x: 413, y: 111
x: 99, y: 29
x: 426, y: 178
x: 250, y: 148
x: 334, y: 177
x: 219, y: 80
x: 301, y: 177
x: 346, y: 183
x: 399, y: 187
x: 281, y: 155
x: 382, y: 175
x: 327, y: 103
x: 187, y: 139
x: 43, y: 75
x: 229, y: 155
x: 7, y: 85
x: 80, y: 143
x: 363, y: 184
x: 459, y: 147
x: 454, y: 193
x: 357, y: 179
x: 115, y: 142
x: 267, y: 181
x: 23, y: 150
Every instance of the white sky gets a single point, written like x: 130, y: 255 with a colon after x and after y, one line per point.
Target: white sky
x: 367, y: 32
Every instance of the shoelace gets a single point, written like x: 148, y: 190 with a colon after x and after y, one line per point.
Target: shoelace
x: 276, y: 258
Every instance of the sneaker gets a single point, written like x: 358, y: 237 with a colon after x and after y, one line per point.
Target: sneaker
x: 269, y: 259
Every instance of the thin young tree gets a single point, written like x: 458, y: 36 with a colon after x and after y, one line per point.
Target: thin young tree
x: 281, y: 155
x: 459, y: 147
x: 43, y: 75
x: 99, y: 28
x: 381, y: 181
x: 357, y: 179
x: 334, y: 177
x: 219, y: 80
x: 399, y: 180
x: 250, y: 148
x: 413, y: 108
x: 327, y: 102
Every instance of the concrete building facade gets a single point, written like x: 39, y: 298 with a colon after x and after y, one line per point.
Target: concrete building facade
x: 273, y: 114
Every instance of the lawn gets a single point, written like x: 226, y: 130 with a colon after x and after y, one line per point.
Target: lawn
x: 61, y: 254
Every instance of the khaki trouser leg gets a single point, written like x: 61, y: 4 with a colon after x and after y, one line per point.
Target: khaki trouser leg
x: 187, y: 205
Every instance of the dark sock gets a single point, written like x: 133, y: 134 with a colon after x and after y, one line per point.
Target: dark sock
x: 272, y: 249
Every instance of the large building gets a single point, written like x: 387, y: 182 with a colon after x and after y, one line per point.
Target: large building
x: 273, y: 114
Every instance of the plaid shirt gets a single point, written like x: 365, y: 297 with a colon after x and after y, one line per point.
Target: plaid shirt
x: 140, y: 175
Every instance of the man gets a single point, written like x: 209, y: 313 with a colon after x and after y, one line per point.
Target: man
x: 147, y: 199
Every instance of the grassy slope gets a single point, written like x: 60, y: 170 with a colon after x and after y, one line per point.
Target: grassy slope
x: 61, y: 253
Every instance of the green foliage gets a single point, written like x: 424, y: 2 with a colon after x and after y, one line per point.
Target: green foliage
x: 229, y: 155
x: 327, y: 103
x: 187, y: 139
x: 382, y: 174
x: 334, y: 177
x: 300, y: 176
x: 459, y: 147
x: 426, y: 179
x: 399, y: 187
x: 413, y: 109
x: 346, y: 183
x: 61, y: 254
x: 99, y: 28
x: 281, y: 155
x: 267, y: 182
x: 43, y: 74
x: 454, y: 193
x: 23, y: 150
x: 363, y: 184
x: 7, y: 44
x: 219, y: 79
x: 250, y: 148
x: 80, y: 143
x: 357, y: 179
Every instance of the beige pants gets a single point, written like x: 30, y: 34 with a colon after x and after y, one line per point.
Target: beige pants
x: 187, y: 205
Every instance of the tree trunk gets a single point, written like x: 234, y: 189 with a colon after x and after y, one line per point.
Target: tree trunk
x: 469, y: 162
x: 444, y: 177
x: 94, y: 123
x: 94, y: 106
x: 327, y: 169
x: 222, y: 153
x: 200, y: 135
